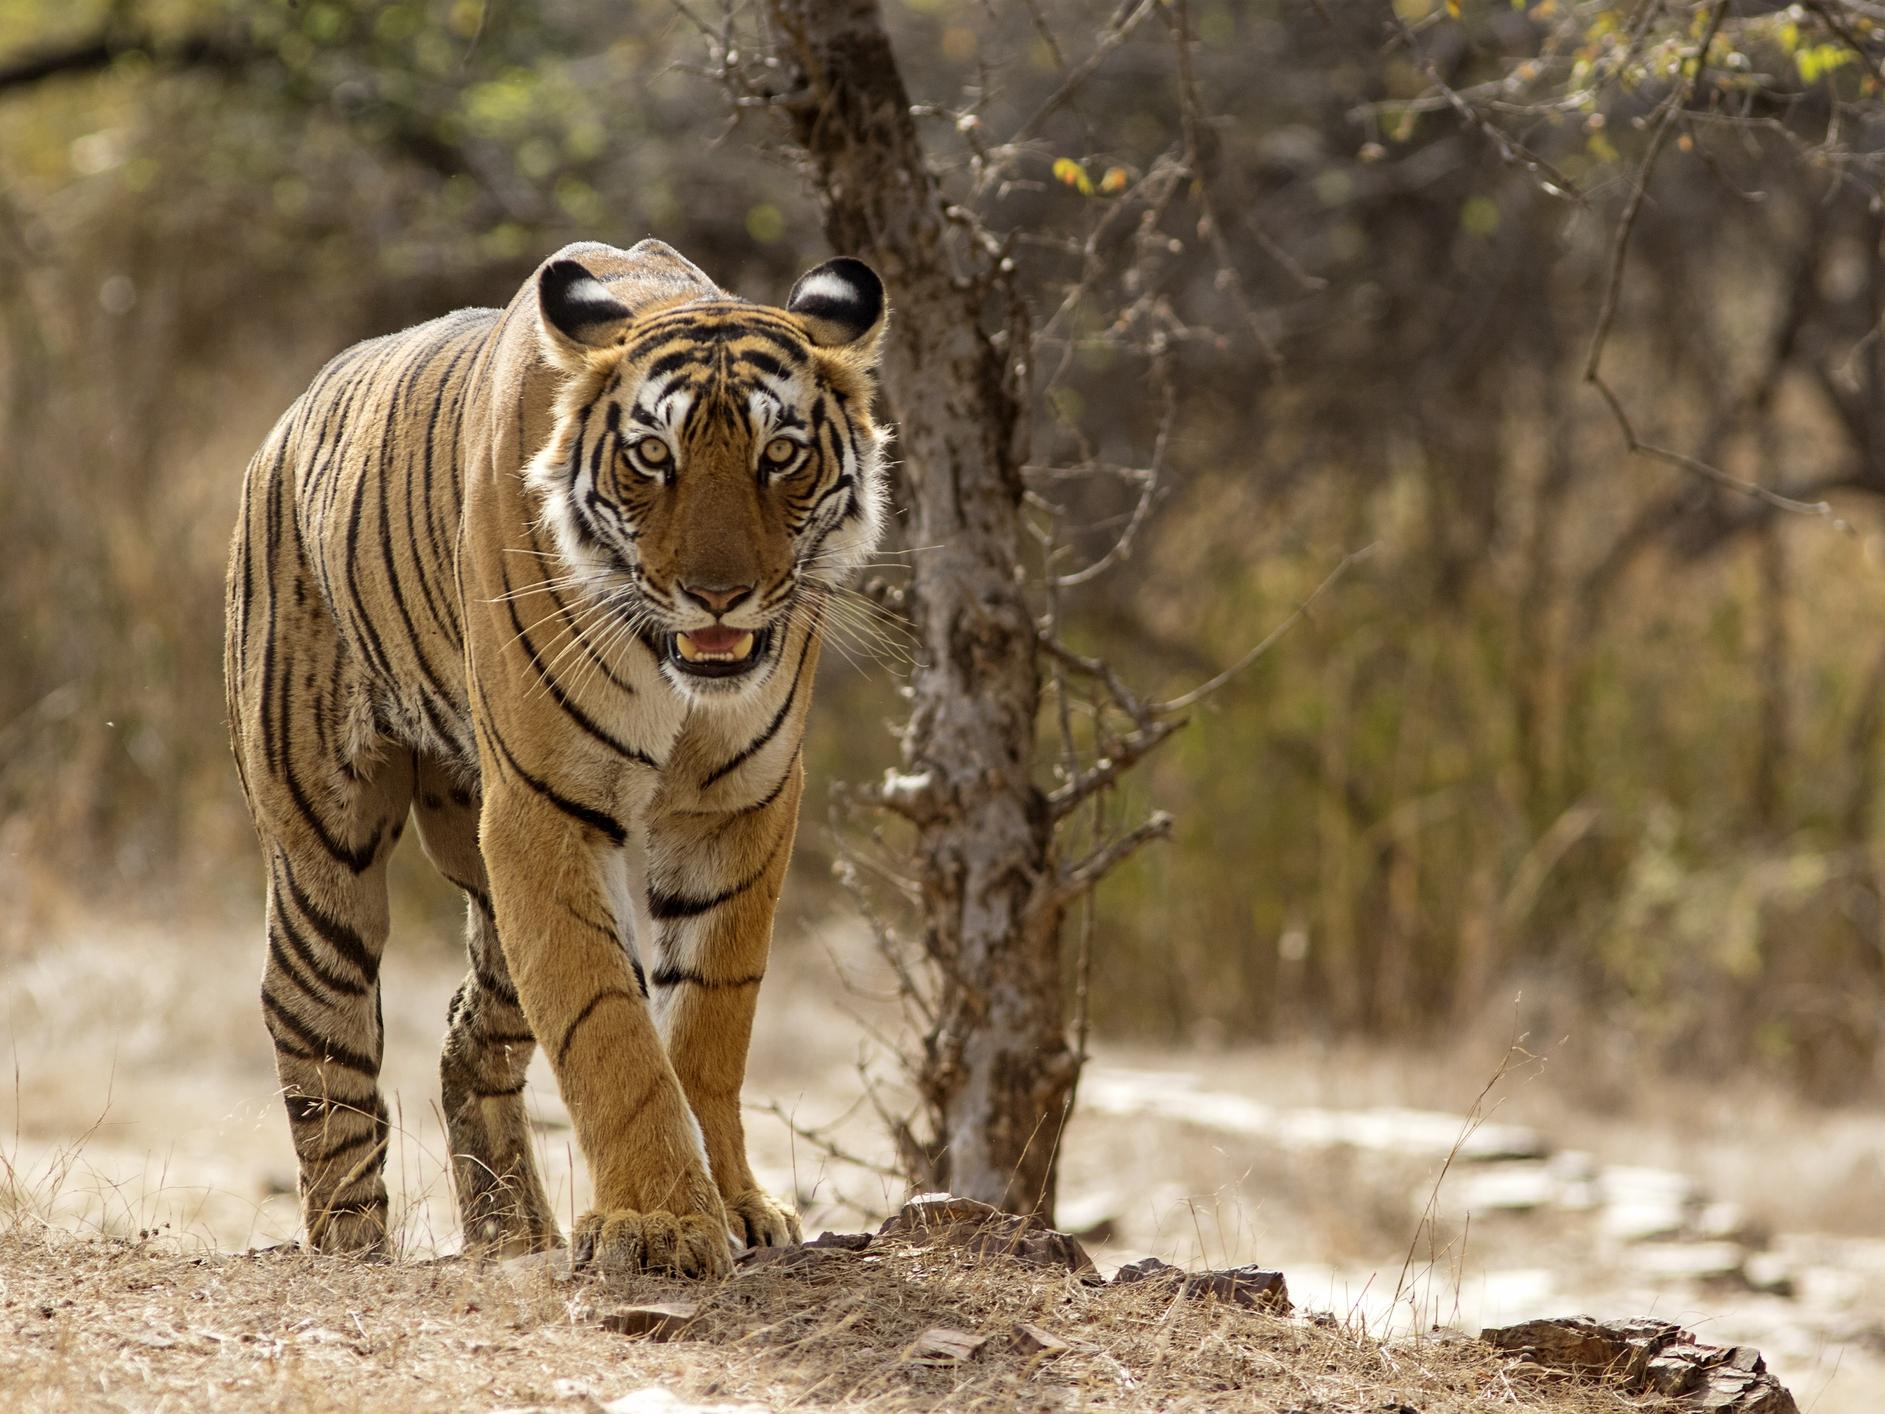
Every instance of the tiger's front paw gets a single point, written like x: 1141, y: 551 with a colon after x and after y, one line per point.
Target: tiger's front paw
x: 621, y: 1240
x: 759, y: 1220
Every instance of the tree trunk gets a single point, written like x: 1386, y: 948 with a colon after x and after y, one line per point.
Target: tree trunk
x: 997, y: 1073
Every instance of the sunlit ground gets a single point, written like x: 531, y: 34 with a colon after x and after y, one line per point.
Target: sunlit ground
x: 143, y: 1102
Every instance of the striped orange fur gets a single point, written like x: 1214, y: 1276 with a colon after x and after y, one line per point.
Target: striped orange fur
x: 550, y: 581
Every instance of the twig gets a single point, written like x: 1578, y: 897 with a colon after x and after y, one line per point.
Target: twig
x: 1674, y: 107
x: 1269, y: 641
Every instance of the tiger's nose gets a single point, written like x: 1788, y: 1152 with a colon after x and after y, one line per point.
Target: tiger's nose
x: 719, y: 601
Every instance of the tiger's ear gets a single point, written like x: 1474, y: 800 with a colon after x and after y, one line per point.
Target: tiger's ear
x: 578, y: 314
x: 841, y: 305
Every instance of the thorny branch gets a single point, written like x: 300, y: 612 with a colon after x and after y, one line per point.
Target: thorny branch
x: 1673, y: 107
x: 1677, y: 109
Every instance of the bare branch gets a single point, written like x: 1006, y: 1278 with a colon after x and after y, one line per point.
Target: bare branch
x: 1270, y: 640
x: 1673, y: 107
x: 1077, y: 879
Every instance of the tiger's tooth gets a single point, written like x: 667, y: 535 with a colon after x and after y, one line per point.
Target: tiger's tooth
x: 742, y: 649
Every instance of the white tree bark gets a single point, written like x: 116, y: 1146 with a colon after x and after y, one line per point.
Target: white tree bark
x: 997, y: 1073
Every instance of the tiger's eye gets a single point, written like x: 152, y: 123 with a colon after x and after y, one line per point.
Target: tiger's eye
x: 652, y: 450
x: 781, y: 450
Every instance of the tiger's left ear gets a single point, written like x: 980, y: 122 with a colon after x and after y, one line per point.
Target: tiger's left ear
x: 841, y: 305
x: 579, y: 315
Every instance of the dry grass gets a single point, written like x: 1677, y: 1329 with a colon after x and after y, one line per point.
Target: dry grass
x: 107, y: 1324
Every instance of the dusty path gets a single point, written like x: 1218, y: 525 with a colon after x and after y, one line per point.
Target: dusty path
x: 145, y: 1103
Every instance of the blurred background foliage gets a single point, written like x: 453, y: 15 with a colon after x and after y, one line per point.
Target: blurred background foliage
x: 1583, y: 725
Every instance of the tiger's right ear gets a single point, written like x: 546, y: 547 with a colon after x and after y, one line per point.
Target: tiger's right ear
x: 578, y: 315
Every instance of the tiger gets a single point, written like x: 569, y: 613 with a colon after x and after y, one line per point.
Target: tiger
x: 551, y: 582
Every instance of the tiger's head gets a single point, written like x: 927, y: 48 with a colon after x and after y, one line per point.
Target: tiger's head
x: 714, y: 469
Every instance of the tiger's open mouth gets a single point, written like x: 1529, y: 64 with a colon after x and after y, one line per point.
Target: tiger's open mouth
x: 717, y: 652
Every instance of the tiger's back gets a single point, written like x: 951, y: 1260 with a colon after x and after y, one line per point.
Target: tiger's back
x: 355, y: 505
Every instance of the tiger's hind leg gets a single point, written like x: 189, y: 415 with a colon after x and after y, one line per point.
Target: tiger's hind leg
x: 488, y: 1046
x: 327, y: 926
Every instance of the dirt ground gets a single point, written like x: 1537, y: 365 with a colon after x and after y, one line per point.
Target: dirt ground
x: 107, y: 1324
x: 143, y: 1103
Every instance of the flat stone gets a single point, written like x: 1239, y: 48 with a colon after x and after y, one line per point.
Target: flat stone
x: 1771, y: 1273
x: 1648, y: 1357
x: 1033, y: 1340
x: 1174, y: 1096
x: 1513, y: 1187
x: 843, y: 1241
x: 942, y: 1343
x: 1690, y: 1261
x: 1644, y: 1204
x: 927, y: 1211
x: 1145, y: 1269
x: 1091, y: 1217
x: 662, y: 1320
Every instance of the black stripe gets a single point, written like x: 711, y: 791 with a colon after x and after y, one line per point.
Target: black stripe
x: 767, y: 364
x: 605, y: 825
x: 316, y: 1048
x: 497, y: 986
x: 441, y: 552
x: 569, y: 1036
x: 562, y: 698
x: 359, y: 1208
x: 305, y: 983
x: 336, y: 934
x: 375, y: 1137
x: 430, y: 685
x: 666, y: 906
x: 356, y: 858
x: 676, y: 976
x: 304, y: 1109
x: 759, y: 742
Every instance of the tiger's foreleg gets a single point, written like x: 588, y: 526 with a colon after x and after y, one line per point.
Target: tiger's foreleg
x: 488, y: 1045
x: 714, y: 881
x: 655, y: 1203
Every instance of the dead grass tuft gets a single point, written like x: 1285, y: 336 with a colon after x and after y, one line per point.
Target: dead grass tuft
x: 98, y: 1323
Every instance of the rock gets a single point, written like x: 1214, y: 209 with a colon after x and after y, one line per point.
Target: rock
x: 1722, y: 1221
x: 1093, y: 1217
x: 928, y: 1211
x: 663, y: 1320
x: 843, y: 1241
x: 1643, y: 1204
x: 944, y: 1344
x: 1771, y: 1273
x: 1173, y: 1096
x: 1145, y: 1269
x: 1516, y: 1187
x: 1690, y: 1261
x: 1648, y: 1357
x: 1255, y: 1287
x: 940, y: 1217
x: 1044, y: 1344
